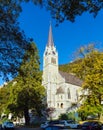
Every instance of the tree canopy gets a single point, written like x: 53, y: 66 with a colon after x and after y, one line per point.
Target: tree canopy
x: 92, y: 71
x: 69, y: 9
x: 13, y: 41
x: 4, y: 96
x: 28, y: 92
x: 89, y: 67
x: 25, y: 91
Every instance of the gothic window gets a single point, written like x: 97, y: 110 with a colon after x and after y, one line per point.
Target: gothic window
x: 69, y: 95
x: 46, y: 53
x: 61, y: 105
x: 77, y: 94
x: 53, y: 52
x: 58, y: 105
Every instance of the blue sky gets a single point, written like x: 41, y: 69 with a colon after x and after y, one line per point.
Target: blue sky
x: 68, y: 37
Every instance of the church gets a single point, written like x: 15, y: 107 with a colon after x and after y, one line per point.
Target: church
x: 61, y: 88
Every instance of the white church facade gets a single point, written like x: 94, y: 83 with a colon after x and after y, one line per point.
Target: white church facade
x: 61, y: 88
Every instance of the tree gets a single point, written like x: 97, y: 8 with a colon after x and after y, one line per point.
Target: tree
x: 88, y: 66
x: 26, y: 91
x: 4, y: 95
x: 69, y: 9
x: 63, y: 116
x: 13, y: 42
x: 90, y: 70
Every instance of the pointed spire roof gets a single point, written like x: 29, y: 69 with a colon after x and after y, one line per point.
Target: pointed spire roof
x: 50, y: 37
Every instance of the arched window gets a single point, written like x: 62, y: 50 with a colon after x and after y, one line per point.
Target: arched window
x: 58, y: 105
x: 61, y: 105
x: 68, y: 92
x: 77, y: 94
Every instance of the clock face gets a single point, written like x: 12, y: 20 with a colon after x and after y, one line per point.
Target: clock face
x: 53, y: 60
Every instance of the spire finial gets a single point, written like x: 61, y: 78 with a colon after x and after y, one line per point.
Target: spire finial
x: 50, y: 37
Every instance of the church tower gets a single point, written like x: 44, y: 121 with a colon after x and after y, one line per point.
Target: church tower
x: 61, y: 87
x: 50, y: 70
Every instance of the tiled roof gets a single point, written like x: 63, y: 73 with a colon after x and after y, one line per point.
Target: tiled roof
x: 70, y: 78
x: 60, y: 91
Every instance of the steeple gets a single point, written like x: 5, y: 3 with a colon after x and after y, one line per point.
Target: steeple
x: 50, y: 37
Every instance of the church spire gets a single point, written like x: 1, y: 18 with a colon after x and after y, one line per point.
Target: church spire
x: 50, y: 37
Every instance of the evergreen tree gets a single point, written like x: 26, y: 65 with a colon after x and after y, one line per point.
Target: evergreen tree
x: 26, y: 91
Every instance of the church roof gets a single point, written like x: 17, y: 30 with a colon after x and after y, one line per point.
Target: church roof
x: 70, y: 78
x: 60, y: 90
x: 50, y: 37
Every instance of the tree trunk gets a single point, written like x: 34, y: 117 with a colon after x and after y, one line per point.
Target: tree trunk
x: 26, y: 115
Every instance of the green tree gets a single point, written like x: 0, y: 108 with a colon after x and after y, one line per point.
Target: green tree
x: 13, y: 42
x: 69, y: 9
x: 4, y: 95
x: 4, y: 100
x: 90, y: 70
x: 88, y: 66
x: 63, y: 116
x: 26, y: 91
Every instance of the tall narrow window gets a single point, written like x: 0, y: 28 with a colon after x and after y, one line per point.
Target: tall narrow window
x: 58, y: 105
x: 69, y: 96
x: 77, y: 94
x: 61, y: 105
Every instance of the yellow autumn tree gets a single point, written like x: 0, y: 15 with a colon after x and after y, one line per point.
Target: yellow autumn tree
x: 90, y: 70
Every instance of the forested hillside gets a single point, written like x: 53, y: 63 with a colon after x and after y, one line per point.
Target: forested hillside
x: 69, y: 67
